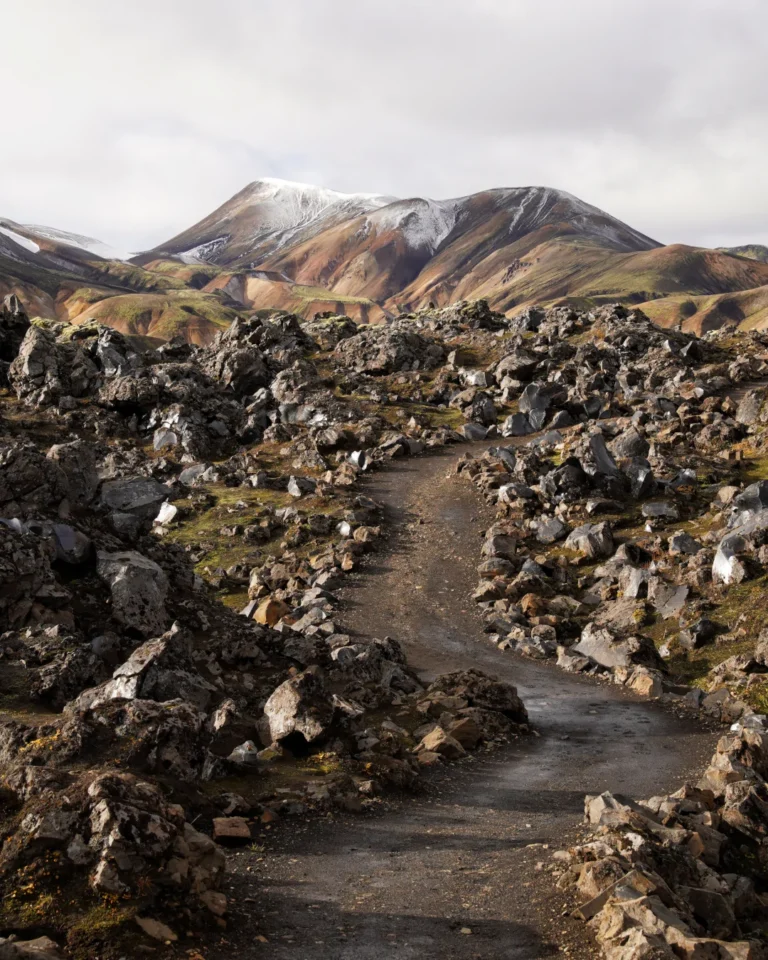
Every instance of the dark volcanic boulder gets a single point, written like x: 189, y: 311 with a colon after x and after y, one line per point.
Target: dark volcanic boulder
x: 130, y: 394
x: 78, y: 462
x: 480, y: 690
x: 160, y: 669
x: 120, y: 834
x: 30, y: 484
x: 138, y: 587
x: 46, y: 370
x: 141, y: 497
x: 14, y: 324
x: 235, y: 360
x: 25, y: 568
x: 383, y: 349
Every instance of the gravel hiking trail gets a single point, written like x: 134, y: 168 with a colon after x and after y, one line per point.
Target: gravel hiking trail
x: 459, y: 870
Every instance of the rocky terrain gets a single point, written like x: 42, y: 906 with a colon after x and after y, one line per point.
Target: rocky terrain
x: 182, y: 666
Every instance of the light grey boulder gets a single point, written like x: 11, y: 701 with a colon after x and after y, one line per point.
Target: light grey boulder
x: 300, y: 706
x: 660, y: 510
x: 593, y: 540
x: 610, y: 650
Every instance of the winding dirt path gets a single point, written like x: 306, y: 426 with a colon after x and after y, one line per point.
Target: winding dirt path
x: 403, y: 882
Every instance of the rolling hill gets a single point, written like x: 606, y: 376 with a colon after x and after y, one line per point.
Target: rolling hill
x: 67, y: 277
x: 753, y: 251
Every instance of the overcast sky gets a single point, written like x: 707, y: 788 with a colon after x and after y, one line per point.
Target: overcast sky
x: 131, y: 121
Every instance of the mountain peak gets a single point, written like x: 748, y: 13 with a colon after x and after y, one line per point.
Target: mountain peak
x: 275, y: 185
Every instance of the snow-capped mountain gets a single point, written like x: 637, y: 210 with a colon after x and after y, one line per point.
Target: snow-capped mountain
x: 49, y: 246
x: 271, y: 218
x: 387, y: 249
x: 412, y: 251
x: 265, y: 217
x: 78, y: 241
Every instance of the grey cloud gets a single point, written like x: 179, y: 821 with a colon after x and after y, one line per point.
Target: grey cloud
x: 133, y: 122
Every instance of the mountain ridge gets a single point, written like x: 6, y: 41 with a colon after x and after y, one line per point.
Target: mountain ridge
x: 387, y: 253
x: 269, y: 214
x: 306, y: 249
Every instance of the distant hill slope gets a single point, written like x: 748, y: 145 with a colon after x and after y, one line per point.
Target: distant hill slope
x: 746, y: 309
x: 753, y: 251
x: 309, y: 250
x: 71, y: 278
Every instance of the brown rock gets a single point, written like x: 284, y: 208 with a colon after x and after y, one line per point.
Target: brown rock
x: 645, y: 683
x: 216, y: 902
x: 533, y: 605
x: 270, y: 611
x: 231, y: 831
x: 156, y: 929
x: 467, y: 732
x: 438, y: 741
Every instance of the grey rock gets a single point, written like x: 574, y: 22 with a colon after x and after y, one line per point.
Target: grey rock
x: 603, y: 459
x: 727, y: 568
x: 633, y: 582
x: 72, y: 546
x: 683, y: 543
x: 138, y: 587
x: 609, y: 650
x: 78, y: 463
x: 630, y: 443
x: 660, y: 510
x: 550, y: 530
x: 641, y: 479
x: 158, y: 670
x: 749, y: 503
x: 668, y: 600
x: 473, y: 431
x: 141, y: 497
x: 300, y: 706
x: 517, y: 425
x: 190, y: 474
x: 299, y: 486
x: 751, y: 409
x: 594, y: 540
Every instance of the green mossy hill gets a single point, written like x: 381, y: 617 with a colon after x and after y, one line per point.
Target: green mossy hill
x: 198, y: 317
x: 752, y: 251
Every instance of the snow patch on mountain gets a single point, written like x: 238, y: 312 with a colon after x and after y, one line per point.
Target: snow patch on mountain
x: 269, y: 214
x: 24, y: 242
x: 424, y: 224
x: 287, y: 207
x: 89, y: 244
x: 203, y: 252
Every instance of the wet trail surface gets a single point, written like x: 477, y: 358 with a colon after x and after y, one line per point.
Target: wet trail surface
x: 411, y: 878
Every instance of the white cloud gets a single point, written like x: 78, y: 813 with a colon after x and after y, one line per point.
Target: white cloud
x: 131, y: 122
